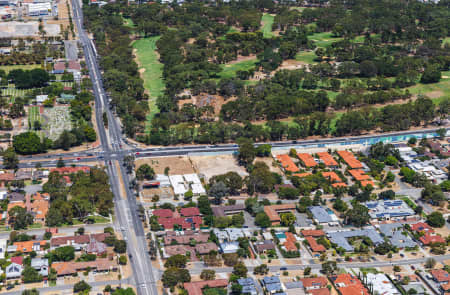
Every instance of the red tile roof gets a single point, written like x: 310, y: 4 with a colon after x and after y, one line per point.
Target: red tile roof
x: 17, y: 260
x: 164, y: 213
x: 308, y: 283
x: 185, y: 223
x: 189, y: 212
x: 307, y: 160
x: 367, y: 182
x: 327, y: 159
x: 348, y: 284
x: 313, y: 232
x: 332, y: 176
x: 321, y: 291
x: 304, y: 174
x: 195, y: 288
x: 422, y: 227
x: 315, y: 247
x: 350, y: 159
x: 272, y: 211
x: 290, y: 242
x: 431, y: 239
x: 287, y: 163
x: 440, y: 275
x: 339, y: 184
x: 359, y: 174
x: 7, y: 176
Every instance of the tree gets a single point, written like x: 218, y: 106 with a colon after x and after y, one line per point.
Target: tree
x: 238, y: 220
x: 430, y: 263
x: 127, y: 291
x: 65, y: 253
x: 174, y: 276
x: 340, y: 205
x: 240, y: 270
x: 246, y: 152
x: 431, y: 74
x: 329, y: 267
x: 30, y: 292
x: 287, y: 218
x: 60, y: 163
x: 436, y: 219
x: 30, y: 275
x: 218, y: 190
x: 20, y: 218
x: 145, y: 172
x: 178, y: 261
x: 208, y: 274
x: 81, y: 287
x: 307, y: 271
x: 28, y: 143
x: 10, y: 159
x: 358, y: 215
x: 123, y: 260
x: 262, y: 220
x: 262, y: 269
x: 120, y: 246
x: 230, y: 259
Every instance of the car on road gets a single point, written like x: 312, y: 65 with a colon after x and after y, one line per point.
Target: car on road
x: 412, y: 267
x: 402, y: 255
x: 283, y: 268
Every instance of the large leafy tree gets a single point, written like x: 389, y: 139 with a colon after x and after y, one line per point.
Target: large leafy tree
x: 358, y: 215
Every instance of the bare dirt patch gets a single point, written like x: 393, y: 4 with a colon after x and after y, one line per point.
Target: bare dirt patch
x: 271, y: 163
x: 241, y: 58
x: 215, y: 165
x: 435, y: 94
x: 201, y: 100
x: 292, y: 64
x: 177, y: 165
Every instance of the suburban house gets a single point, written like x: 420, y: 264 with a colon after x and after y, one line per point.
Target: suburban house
x: 195, y: 288
x: 13, y: 270
x: 273, y: 212
x: 41, y: 265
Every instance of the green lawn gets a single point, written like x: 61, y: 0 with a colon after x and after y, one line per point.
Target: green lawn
x: 23, y: 67
x: 306, y: 57
x: 148, y: 59
x: 128, y: 22
x: 436, y: 91
x: 229, y: 71
x: 34, y: 115
x: 267, y: 21
x: 446, y: 40
x: 324, y: 39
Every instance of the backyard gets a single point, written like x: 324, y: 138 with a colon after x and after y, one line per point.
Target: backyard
x: 267, y: 22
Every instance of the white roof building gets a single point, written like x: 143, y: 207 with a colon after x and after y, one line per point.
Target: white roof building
x: 3, y: 247
x: 198, y: 189
x: 3, y: 195
x: 183, y: 183
x: 382, y: 284
x: 37, y: 9
x: 177, y: 182
x: 192, y: 178
x: 41, y: 98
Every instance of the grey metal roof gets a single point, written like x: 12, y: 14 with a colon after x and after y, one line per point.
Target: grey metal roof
x: 293, y: 285
x: 389, y: 228
x: 388, y: 209
x: 402, y: 241
x: 340, y: 237
x: 320, y: 214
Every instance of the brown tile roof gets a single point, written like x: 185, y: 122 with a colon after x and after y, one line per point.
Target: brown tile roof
x: 195, y: 288
x: 189, y: 212
x: 69, y: 170
x: 71, y: 267
x: 313, y: 232
x: 7, y: 176
x: 272, y: 211
x: 222, y: 211
x: 264, y: 246
x: 205, y: 248
x: 27, y: 246
x: 321, y: 291
x: 307, y: 159
x: 81, y: 239
x: 186, y: 239
x: 422, y: 227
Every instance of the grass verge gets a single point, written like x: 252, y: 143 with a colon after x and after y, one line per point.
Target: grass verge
x: 151, y: 68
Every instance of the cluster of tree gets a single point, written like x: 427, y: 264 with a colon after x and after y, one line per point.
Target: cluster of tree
x: 26, y: 79
x: 121, y: 76
x: 89, y: 193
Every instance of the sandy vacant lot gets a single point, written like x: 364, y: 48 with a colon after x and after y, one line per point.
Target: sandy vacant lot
x: 177, y: 165
x: 270, y: 162
x: 215, y: 165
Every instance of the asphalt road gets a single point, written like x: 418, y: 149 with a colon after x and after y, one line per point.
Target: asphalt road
x: 121, y: 148
x: 111, y: 145
x: 340, y: 265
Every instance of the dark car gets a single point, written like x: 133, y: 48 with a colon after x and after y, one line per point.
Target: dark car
x: 283, y: 268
